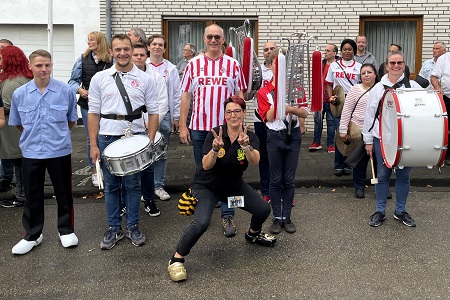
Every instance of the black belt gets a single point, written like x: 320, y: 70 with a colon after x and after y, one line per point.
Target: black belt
x: 129, y: 118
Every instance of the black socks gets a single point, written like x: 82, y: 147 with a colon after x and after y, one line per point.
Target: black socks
x: 176, y: 259
x: 253, y: 233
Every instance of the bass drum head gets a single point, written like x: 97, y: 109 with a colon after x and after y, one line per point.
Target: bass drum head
x: 390, y: 129
x: 127, y: 146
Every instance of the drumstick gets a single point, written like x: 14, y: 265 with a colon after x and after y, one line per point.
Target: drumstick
x: 99, y: 175
x: 373, y: 180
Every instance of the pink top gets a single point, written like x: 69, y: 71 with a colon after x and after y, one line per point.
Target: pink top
x: 350, y: 101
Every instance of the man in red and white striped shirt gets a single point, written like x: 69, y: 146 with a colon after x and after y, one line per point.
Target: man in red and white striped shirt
x: 209, y: 80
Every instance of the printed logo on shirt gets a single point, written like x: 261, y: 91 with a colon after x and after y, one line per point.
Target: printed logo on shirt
x: 212, y: 80
x: 134, y: 83
x: 224, y: 70
x: 349, y: 75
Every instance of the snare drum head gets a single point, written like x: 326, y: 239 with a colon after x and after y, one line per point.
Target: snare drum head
x: 158, y: 137
x: 389, y: 128
x: 126, y: 146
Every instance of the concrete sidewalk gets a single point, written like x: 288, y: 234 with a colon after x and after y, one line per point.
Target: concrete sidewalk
x: 315, y: 169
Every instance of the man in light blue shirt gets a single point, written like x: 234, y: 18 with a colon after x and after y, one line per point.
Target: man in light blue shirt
x: 439, y: 48
x: 45, y: 111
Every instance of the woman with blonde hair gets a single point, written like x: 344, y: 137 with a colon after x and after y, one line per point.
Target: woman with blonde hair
x: 96, y: 58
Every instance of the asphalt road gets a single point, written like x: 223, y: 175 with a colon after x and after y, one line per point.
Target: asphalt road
x: 334, y: 254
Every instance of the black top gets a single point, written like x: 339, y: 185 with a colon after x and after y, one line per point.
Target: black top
x: 228, y: 170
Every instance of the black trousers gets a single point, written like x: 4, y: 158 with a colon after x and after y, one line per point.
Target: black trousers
x: 60, y: 171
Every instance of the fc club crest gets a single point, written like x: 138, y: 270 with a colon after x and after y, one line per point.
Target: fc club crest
x: 134, y: 83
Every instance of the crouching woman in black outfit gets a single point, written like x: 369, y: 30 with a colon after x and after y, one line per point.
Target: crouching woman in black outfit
x: 228, y: 150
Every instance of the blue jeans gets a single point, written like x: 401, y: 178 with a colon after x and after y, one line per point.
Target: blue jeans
x: 84, y: 116
x: 7, y: 169
x: 384, y: 175
x: 283, y: 161
x: 318, y: 125
x: 198, y: 138
x: 165, y: 127
x: 264, y: 172
x: 132, y: 190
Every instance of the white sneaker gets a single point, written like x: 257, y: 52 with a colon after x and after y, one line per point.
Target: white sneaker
x: 94, y: 180
x: 162, y: 194
x: 23, y: 247
x: 69, y: 240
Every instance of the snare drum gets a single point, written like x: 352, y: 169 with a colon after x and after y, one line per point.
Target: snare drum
x: 159, y: 147
x: 128, y: 155
x: 413, y: 128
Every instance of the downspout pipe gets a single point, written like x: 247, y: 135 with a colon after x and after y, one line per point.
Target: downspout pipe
x: 108, y: 20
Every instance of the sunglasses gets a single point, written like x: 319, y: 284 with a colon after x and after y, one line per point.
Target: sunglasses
x: 216, y: 37
x: 393, y: 63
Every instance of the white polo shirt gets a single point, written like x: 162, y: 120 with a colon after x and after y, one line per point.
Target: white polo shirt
x: 105, y: 98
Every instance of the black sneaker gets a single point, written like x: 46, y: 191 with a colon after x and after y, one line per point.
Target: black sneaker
x: 229, y: 229
x: 405, y: 218
x: 275, y: 228
x: 151, y: 209
x: 338, y: 172
x: 10, y: 203
x: 263, y: 239
x: 359, y: 193
x: 389, y: 195
x: 347, y: 171
x: 289, y: 226
x: 376, y: 219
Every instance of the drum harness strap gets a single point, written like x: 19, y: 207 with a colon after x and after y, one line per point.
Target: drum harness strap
x: 131, y: 115
x: 405, y: 81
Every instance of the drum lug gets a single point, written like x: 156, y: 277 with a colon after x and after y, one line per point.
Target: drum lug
x: 439, y: 170
x: 404, y: 148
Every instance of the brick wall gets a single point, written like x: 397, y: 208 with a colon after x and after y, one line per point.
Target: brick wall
x: 331, y: 23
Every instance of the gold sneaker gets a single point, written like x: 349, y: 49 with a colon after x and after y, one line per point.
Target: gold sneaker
x: 177, y: 272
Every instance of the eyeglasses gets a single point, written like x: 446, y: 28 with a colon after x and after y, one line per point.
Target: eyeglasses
x: 271, y: 49
x: 393, y: 63
x: 216, y: 37
x: 236, y: 111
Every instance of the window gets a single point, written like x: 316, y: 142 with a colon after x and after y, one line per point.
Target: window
x: 181, y: 31
x: 405, y: 31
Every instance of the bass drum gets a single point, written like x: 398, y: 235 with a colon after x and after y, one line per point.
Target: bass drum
x: 413, y: 128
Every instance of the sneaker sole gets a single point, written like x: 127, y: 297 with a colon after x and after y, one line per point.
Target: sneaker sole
x: 155, y: 214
